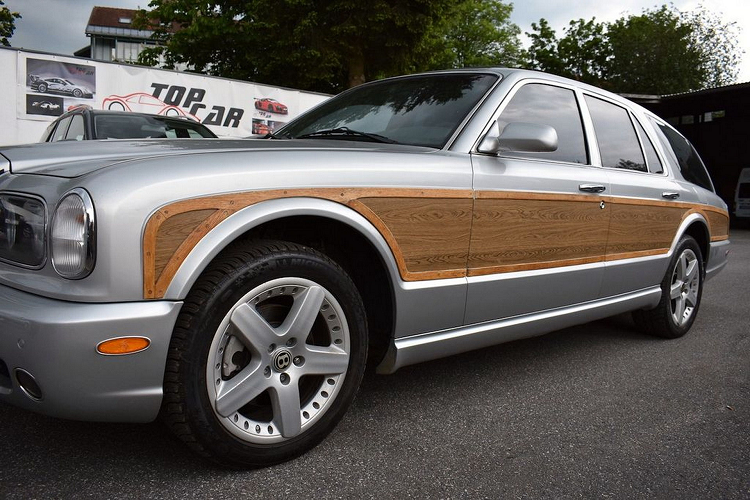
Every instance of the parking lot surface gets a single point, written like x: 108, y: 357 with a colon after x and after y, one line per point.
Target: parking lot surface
x: 598, y: 410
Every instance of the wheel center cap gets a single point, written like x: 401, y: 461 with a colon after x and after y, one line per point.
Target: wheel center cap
x: 281, y: 360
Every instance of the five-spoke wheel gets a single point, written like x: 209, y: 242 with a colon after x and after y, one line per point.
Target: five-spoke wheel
x: 681, y: 293
x: 268, y: 354
x: 278, y: 359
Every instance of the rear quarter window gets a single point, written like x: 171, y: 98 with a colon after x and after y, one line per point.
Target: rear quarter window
x: 689, y: 162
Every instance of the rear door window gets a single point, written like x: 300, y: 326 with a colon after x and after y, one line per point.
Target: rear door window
x: 618, y: 143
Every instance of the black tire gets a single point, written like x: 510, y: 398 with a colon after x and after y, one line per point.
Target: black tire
x: 77, y: 93
x: 218, y: 335
x: 681, y: 294
x: 42, y: 88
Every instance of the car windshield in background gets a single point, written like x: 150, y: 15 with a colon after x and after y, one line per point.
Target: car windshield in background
x: 133, y: 126
x: 419, y: 111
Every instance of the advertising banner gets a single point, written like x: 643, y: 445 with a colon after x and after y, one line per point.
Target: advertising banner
x: 49, y: 85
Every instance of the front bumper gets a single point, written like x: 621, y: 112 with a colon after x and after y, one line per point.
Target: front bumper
x: 55, y: 342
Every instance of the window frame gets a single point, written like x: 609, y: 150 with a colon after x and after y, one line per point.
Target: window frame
x: 506, y: 101
x: 633, y: 122
x: 674, y: 162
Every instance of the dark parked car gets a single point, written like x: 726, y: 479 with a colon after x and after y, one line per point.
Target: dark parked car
x: 83, y: 123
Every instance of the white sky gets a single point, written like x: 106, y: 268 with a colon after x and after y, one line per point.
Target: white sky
x: 58, y: 25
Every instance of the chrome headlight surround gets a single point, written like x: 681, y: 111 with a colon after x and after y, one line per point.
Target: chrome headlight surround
x: 72, y: 240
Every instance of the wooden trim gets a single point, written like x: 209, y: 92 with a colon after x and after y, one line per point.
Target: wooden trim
x: 457, y: 255
x: 155, y: 283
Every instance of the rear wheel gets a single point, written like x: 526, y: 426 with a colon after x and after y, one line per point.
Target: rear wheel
x: 267, y: 355
x: 682, y: 288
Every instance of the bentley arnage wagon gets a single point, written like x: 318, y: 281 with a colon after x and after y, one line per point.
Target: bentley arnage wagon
x: 238, y: 289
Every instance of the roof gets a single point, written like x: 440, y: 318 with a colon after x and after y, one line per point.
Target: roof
x: 115, y: 21
x: 111, y: 17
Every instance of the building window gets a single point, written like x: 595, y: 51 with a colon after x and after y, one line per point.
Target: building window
x: 127, y: 51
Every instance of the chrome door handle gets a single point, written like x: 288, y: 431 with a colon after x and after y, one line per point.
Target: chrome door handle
x: 670, y: 195
x: 591, y: 188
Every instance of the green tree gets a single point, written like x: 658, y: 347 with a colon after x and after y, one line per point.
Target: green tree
x: 475, y: 33
x: 582, y: 54
x: 718, y: 45
x: 323, y: 45
x: 654, y: 53
x: 660, y: 51
x: 542, y: 53
x: 7, y: 24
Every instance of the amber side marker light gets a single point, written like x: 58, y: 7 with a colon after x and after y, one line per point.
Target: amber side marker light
x: 123, y: 345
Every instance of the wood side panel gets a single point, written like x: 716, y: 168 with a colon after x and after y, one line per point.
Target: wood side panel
x: 530, y: 231
x: 164, y: 241
x: 642, y: 227
x: 718, y: 222
x: 432, y: 233
x: 173, y: 232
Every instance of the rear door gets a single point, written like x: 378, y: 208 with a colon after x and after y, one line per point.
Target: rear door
x: 540, y: 224
x: 647, y: 206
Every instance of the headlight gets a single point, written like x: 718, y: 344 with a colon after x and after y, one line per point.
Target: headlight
x: 73, y: 235
x: 22, y: 226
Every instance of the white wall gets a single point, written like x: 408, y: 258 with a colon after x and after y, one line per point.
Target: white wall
x: 227, y: 107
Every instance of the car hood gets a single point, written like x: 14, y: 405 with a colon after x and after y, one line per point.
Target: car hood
x: 71, y: 159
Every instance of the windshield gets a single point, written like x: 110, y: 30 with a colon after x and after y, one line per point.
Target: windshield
x: 421, y: 111
x: 133, y: 126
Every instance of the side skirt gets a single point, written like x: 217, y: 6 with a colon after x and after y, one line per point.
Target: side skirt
x: 428, y: 346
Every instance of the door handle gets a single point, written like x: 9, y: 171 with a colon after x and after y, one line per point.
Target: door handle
x: 670, y: 195
x: 591, y: 188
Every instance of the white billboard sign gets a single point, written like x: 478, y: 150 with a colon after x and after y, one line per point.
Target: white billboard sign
x: 47, y: 85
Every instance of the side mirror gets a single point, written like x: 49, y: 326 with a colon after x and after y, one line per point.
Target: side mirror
x: 520, y: 137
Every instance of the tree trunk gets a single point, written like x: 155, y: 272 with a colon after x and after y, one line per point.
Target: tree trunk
x: 356, y: 69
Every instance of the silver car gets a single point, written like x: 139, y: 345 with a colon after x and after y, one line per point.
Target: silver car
x: 239, y: 288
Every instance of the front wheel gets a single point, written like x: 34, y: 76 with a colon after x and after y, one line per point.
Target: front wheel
x: 681, y: 288
x: 268, y: 353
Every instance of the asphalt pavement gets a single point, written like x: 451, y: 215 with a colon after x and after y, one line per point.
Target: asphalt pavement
x: 595, y: 411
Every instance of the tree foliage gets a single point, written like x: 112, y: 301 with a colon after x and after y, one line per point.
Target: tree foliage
x: 475, y: 33
x: 660, y: 51
x: 328, y: 45
x: 323, y: 45
x: 7, y: 24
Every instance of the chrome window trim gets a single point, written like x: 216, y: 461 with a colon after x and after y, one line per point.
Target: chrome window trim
x: 633, y: 117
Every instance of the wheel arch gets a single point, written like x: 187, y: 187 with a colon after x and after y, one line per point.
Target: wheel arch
x: 696, y: 226
x: 339, y: 232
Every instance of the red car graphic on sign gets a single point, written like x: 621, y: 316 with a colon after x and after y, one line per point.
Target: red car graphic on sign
x: 271, y: 105
x: 142, y: 102
x: 261, y: 128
